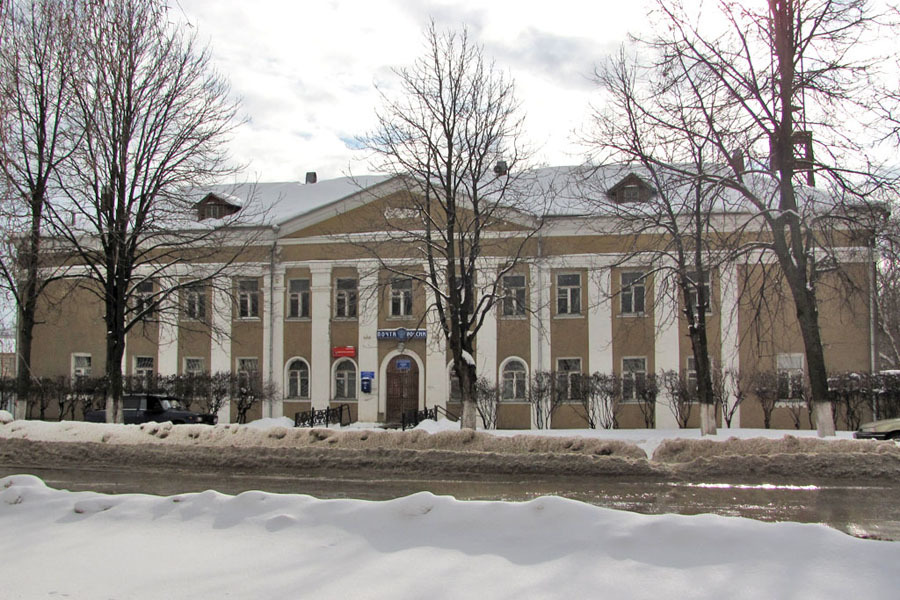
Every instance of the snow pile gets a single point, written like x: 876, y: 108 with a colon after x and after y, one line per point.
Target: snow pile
x: 271, y: 423
x: 431, y: 426
x: 260, y: 545
x: 5, y: 417
x: 682, y: 450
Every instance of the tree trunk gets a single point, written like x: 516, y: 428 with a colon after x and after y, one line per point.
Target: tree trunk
x: 115, y: 347
x: 467, y: 388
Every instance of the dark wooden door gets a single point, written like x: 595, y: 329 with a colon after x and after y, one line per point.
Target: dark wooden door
x: 402, y: 387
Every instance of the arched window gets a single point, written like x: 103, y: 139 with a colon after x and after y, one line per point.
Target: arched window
x: 514, y: 381
x: 345, y: 380
x: 298, y: 379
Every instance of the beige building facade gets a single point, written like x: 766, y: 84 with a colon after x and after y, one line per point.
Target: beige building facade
x: 325, y: 322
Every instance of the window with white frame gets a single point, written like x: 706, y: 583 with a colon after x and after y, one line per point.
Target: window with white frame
x: 194, y: 302
x: 345, y: 380
x: 790, y: 376
x: 143, y: 299
x: 194, y: 365
x: 298, y: 299
x: 298, y: 379
x: 568, y: 378
x: 81, y: 365
x: 693, y: 296
x: 690, y: 373
x: 632, y: 293
x: 248, y: 371
x: 401, y: 297
x: 345, y: 298
x: 143, y: 369
x: 634, y: 376
x: 248, y: 298
x: 568, y: 294
x: 514, y: 381
x: 513, y: 295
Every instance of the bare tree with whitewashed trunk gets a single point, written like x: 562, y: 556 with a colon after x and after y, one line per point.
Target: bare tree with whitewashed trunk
x: 791, y: 87
x: 453, y: 134
x: 155, y: 117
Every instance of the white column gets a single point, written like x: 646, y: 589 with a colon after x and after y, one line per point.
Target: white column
x: 728, y: 288
x: 320, y: 359
x: 273, y: 340
x: 486, y: 347
x: 168, y: 337
x: 600, y: 347
x: 539, y: 299
x: 437, y: 379
x: 666, y: 351
x: 367, y: 345
x: 220, y: 345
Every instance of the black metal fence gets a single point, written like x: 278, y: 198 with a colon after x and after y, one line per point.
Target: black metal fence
x: 411, y: 418
x: 333, y: 415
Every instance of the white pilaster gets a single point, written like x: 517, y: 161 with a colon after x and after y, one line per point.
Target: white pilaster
x: 320, y: 359
x: 436, y: 377
x: 168, y: 337
x: 728, y: 287
x: 600, y: 348
x: 666, y: 351
x: 540, y: 322
x: 273, y: 340
x: 486, y: 348
x: 367, y: 345
x: 220, y: 345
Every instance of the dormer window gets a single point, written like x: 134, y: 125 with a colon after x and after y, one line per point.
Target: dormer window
x: 215, y: 207
x: 630, y: 189
x: 631, y: 193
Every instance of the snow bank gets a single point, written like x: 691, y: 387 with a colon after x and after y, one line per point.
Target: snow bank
x: 260, y: 545
x: 5, y: 417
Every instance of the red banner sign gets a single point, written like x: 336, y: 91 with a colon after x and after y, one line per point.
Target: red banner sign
x: 343, y: 352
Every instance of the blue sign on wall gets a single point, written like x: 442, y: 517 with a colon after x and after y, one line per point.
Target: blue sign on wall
x: 401, y: 335
x: 367, y: 374
x: 403, y: 364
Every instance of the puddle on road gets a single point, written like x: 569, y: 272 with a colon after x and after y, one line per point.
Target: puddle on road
x: 860, y: 510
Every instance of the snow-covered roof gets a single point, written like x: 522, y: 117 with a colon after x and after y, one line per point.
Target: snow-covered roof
x: 274, y: 203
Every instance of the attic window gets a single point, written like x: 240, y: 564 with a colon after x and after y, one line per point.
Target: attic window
x: 212, y: 211
x: 213, y: 207
x: 631, y: 193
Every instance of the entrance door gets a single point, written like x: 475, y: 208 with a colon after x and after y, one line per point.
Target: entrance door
x: 402, y: 387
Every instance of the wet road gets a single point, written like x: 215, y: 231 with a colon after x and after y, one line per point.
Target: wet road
x: 860, y: 510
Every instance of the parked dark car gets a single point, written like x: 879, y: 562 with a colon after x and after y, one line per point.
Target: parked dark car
x: 886, y: 429
x: 141, y: 408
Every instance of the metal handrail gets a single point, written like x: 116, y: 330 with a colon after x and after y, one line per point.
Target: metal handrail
x: 411, y: 418
x: 339, y: 414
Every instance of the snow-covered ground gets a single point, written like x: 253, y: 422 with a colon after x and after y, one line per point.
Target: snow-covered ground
x: 278, y: 431
x: 259, y: 545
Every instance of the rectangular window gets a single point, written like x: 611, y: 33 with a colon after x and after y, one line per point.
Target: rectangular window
x: 790, y: 376
x: 248, y: 371
x: 690, y: 373
x: 631, y: 193
x: 632, y: 293
x: 81, y: 365
x: 345, y: 299
x: 568, y: 379
x: 401, y: 297
x: 634, y: 375
x: 248, y: 298
x: 298, y: 298
x: 143, y: 371
x: 194, y: 366
x: 143, y: 299
x: 568, y: 294
x: 194, y: 302
x: 513, y: 295
x: 694, y: 300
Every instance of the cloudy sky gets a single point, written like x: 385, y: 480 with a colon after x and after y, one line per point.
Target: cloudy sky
x: 307, y: 71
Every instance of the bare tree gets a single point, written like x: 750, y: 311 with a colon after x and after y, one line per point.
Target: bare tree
x: 646, y: 390
x: 731, y: 389
x: 601, y: 398
x: 487, y: 397
x: 154, y: 116
x: 790, y: 87
x: 765, y: 387
x: 542, y: 393
x: 453, y: 134
x: 681, y: 395
x: 37, y: 67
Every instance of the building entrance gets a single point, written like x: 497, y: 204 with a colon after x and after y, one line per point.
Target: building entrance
x: 402, y: 387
